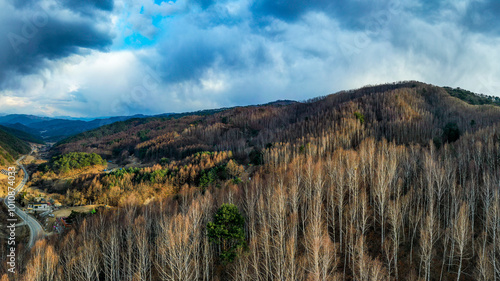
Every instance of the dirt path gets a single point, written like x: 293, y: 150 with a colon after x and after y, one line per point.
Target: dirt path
x: 66, y: 211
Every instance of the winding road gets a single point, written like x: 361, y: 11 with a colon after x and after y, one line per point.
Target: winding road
x: 36, y: 230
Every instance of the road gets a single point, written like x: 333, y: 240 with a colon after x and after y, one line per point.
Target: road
x: 36, y: 230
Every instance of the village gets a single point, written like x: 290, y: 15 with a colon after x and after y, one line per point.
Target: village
x: 54, y: 217
x: 51, y: 214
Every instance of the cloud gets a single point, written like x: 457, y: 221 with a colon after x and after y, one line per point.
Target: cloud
x: 34, y: 32
x: 190, y: 51
x: 176, y: 56
x: 88, y: 7
x: 482, y: 17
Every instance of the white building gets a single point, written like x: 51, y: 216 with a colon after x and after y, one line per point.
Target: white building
x: 38, y: 207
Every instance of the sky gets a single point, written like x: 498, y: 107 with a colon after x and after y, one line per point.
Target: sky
x: 123, y: 57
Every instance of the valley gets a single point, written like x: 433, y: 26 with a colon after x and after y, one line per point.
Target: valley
x: 389, y: 182
x: 249, y: 140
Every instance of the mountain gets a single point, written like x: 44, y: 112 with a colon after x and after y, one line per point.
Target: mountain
x: 52, y: 129
x: 281, y: 102
x: 20, y: 127
x: 11, y: 147
x: 56, y: 129
x: 376, y: 183
x: 22, y: 119
x: 408, y: 112
x: 473, y: 98
x: 21, y: 134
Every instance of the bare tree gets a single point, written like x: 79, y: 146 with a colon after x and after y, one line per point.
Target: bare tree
x: 87, y: 262
x: 365, y: 213
x: 278, y: 212
x: 377, y: 271
x: 396, y: 221
x: 141, y: 249
x: 494, y: 232
x: 174, y: 249
x: 428, y: 237
x: 88, y: 258
x: 385, y: 172
x: 110, y: 241
x: 484, y: 268
x: 42, y: 266
x: 363, y: 260
x: 461, y: 234
x: 315, y: 238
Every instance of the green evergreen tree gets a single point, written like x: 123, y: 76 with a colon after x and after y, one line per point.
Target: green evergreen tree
x: 227, y: 231
x: 451, y: 132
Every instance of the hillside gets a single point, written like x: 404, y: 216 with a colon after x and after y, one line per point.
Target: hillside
x: 22, y: 119
x: 20, y: 134
x: 473, y: 98
x: 389, y: 182
x: 5, y: 157
x: 55, y: 129
x: 11, y: 147
x: 409, y: 112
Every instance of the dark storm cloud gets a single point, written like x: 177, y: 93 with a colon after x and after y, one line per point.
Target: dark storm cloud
x: 88, y: 7
x: 477, y: 16
x: 297, y: 39
x: 33, y: 33
x: 204, y: 3
x: 193, y: 56
x: 77, y: 6
x: 195, y: 47
x: 207, y: 54
x: 350, y: 14
x: 286, y: 10
x: 483, y: 17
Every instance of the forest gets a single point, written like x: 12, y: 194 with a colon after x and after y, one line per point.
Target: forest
x: 389, y: 182
x: 11, y: 146
x: 471, y: 97
x: 71, y: 161
x: 203, y: 170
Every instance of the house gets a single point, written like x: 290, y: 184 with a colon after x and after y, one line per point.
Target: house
x: 63, y: 221
x: 38, y: 207
x: 61, y: 224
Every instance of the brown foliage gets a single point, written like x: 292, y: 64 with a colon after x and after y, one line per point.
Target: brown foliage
x: 335, y: 199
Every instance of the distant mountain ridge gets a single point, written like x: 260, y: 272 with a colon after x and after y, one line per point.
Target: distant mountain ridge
x: 58, y: 128
x: 53, y: 129
x: 11, y: 147
x: 20, y: 134
x: 250, y: 129
x: 24, y: 119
